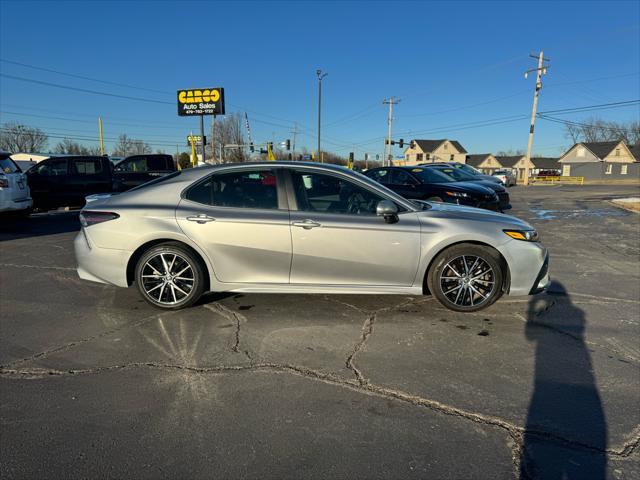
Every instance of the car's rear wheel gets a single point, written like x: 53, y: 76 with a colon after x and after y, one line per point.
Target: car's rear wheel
x: 169, y: 276
x: 466, y: 277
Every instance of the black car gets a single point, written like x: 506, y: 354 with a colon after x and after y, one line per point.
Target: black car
x: 459, y: 175
x: 428, y: 184
x: 138, y: 169
x: 66, y: 181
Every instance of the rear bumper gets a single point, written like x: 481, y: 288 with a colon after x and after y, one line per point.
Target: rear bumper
x: 16, y: 205
x: 103, y: 265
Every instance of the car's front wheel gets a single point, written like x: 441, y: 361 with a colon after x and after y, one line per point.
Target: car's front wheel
x: 169, y: 276
x: 466, y: 277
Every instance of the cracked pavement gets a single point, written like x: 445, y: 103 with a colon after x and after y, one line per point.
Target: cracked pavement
x: 95, y: 382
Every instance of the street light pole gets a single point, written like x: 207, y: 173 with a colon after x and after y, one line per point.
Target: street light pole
x: 320, y: 77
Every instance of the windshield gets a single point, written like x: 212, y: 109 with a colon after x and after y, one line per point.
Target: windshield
x: 469, y: 169
x: 456, y: 174
x: 430, y: 175
x: 8, y: 166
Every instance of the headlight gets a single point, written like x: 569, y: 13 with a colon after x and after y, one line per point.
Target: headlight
x: 524, y: 235
x: 457, y: 194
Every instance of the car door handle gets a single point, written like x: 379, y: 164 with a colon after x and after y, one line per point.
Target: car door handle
x: 306, y: 224
x: 200, y: 218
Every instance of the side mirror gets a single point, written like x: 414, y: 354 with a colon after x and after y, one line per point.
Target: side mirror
x: 388, y: 210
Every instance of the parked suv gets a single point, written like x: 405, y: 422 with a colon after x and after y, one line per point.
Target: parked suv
x: 138, y: 169
x: 66, y: 181
x: 14, y: 191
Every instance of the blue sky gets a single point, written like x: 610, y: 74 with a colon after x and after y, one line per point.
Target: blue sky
x: 452, y: 64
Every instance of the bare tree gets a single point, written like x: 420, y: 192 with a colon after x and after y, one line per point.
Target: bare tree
x: 130, y: 146
x: 510, y: 153
x: 69, y: 147
x: 15, y: 137
x: 229, y: 131
x: 599, y: 130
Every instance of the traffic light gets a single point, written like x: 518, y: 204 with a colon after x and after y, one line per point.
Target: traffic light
x: 252, y: 148
x: 350, y: 165
x: 401, y: 143
x: 412, y: 144
x: 288, y: 144
x: 271, y: 146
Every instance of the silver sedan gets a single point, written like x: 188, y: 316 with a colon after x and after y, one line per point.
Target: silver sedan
x: 280, y: 227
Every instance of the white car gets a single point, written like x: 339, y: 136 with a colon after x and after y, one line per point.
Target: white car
x: 507, y: 177
x: 15, y: 195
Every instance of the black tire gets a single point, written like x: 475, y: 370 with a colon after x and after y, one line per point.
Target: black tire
x: 466, y: 291
x: 167, y: 291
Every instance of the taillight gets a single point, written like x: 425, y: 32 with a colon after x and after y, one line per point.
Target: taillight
x: 88, y: 218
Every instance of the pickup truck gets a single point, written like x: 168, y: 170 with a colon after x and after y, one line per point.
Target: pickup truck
x: 67, y: 180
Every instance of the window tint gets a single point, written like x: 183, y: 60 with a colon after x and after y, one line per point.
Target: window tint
x: 52, y: 167
x: 133, y: 165
x: 456, y: 173
x: 86, y: 166
x: 400, y: 177
x: 381, y: 176
x: 8, y: 166
x: 157, y: 163
x: 431, y: 175
x: 325, y: 193
x: 246, y: 189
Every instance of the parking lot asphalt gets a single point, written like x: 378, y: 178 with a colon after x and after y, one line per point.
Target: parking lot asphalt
x: 94, y: 382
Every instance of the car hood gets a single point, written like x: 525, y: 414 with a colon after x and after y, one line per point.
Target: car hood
x: 462, y: 212
x: 467, y: 187
x: 493, y: 185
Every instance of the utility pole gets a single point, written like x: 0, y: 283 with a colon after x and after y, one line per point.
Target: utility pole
x: 213, y: 139
x: 100, y: 131
x: 320, y: 77
x: 295, y: 133
x: 202, y: 135
x: 541, y: 70
x: 391, y: 102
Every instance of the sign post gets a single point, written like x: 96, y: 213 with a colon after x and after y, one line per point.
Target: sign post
x: 202, y: 101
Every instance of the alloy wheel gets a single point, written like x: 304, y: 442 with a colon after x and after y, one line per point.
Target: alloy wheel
x: 167, y: 278
x: 467, y: 281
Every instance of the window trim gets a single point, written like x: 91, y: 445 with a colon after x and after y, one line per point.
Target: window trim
x: 609, y: 169
x: 283, y: 205
x: 293, y: 201
x: 624, y: 169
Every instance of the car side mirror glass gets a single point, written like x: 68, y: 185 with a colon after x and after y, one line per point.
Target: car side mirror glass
x: 388, y: 210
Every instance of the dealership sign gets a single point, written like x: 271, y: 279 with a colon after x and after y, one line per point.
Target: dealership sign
x: 201, y: 101
x: 197, y: 140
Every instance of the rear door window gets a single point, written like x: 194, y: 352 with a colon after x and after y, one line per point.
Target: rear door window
x: 53, y: 167
x: 8, y: 166
x: 86, y: 166
x: 245, y: 189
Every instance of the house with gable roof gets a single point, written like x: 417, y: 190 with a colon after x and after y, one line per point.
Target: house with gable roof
x: 431, y: 151
x: 601, y: 161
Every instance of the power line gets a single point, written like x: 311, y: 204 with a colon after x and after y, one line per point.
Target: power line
x: 602, y: 106
x: 73, y: 75
x: 85, y: 90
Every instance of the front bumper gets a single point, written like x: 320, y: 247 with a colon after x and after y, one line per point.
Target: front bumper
x: 542, y: 281
x: 528, y: 266
x: 103, y: 265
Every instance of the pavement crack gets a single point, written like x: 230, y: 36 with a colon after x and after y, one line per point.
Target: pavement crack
x: 237, y: 319
x: 515, y: 432
x: 39, y: 267
x: 367, y: 330
x: 70, y: 345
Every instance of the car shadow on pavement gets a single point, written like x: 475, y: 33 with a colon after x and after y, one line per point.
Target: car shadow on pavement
x: 565, y: 403
x: 37, y: 225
